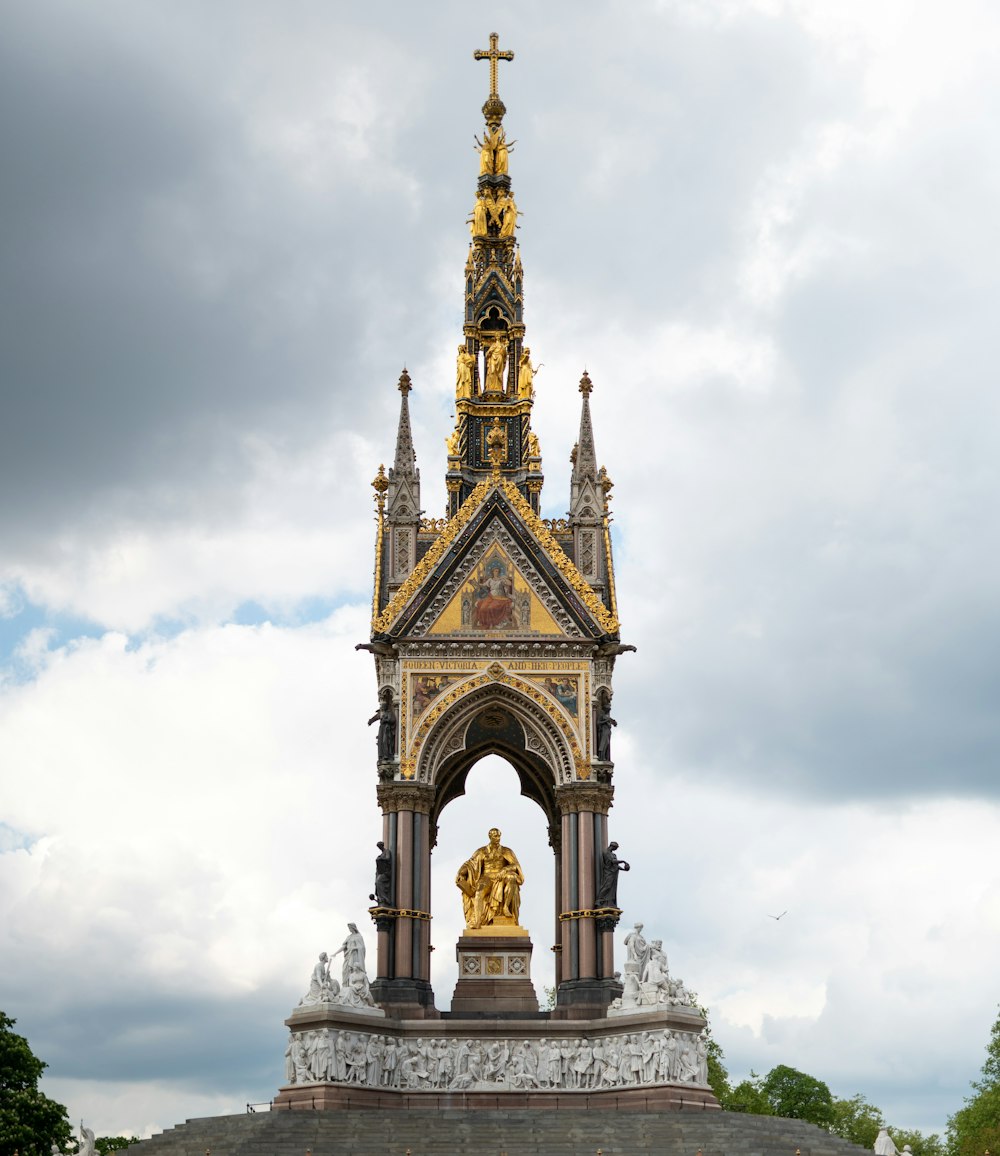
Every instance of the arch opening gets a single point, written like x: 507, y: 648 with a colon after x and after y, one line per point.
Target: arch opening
x: 489, y: 794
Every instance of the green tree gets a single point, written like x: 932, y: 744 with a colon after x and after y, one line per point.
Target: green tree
x: 748, y: 1096
x: 106, y: 1144
x: 858, y: 1121
x: 796, y: 1096
x: 30, y: 1123
x: 920, y: 1145
x: 976, y: 1127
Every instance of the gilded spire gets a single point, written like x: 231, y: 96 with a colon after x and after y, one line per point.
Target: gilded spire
x: 494, y: 107
x: 494, y: 373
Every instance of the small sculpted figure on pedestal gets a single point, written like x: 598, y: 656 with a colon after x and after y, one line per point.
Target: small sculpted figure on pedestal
x: 607, y: 887
x: 884, y: 1145
x: 87, y: 1141
x: 604, y: 724
x: 353, y: 951
x: 383, y: 876
x: 636, y: 950
x: 385, y: 716
x: 321, y: 988
x: 496, y: 363
x: 490, y: 881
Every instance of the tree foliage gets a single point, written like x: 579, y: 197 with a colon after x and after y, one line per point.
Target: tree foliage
x: 797, y: 1096
x: 748, y: 1096
x: 975, y: 1128
x: 107, y: 1144
x: 857, y: 1120
x: 920, y: 1145
x: 30, y: 1123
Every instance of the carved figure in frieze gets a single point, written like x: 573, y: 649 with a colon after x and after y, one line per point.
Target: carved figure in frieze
x: 607, y: 887
x: 604, y: 724
x: 340, y: 1056
x: 385, y: 716
x: 650, y: 1055
x: 300, y: 1059
x: 688, y: 1065
x: 321, y: 1056
x: 289, y: 1061
x: 612, y: 1062
x: 390, y: 1064
x: 383, y: 876
x: 374, y: 1055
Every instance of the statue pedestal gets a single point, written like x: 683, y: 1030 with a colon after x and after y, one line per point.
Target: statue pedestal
x: 494, y: 973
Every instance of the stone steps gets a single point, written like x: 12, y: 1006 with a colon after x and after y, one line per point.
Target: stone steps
x: 494, y: 1133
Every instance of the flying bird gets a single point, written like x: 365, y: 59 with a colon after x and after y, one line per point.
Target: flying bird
x: 777, y: 916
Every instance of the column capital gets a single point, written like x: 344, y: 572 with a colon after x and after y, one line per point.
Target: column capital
x: 398, y: 796
x: 571, y: 798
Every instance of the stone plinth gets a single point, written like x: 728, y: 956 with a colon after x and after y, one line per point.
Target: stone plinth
x: 494, y: 973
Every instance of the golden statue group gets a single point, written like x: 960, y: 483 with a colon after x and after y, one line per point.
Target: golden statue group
x: 490, y: 881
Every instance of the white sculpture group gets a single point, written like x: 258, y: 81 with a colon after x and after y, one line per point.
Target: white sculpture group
x: 355, y: 991
x: 646, y: 981
x: 437, y: 1065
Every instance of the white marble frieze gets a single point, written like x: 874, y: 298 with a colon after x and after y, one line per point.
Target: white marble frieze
x: 587, y: 1063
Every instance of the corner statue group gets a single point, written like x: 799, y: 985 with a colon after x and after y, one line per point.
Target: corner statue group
x: 490, y: 881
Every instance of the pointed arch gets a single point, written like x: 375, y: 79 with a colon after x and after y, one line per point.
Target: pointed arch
x: 497, y: 713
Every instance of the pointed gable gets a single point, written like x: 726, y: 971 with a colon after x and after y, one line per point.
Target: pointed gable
x: 495, y: 569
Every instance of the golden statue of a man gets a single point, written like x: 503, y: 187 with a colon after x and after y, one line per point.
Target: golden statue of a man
x: 490, y: 881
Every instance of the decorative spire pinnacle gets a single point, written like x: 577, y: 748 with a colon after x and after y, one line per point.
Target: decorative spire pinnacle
x: 403, y: 465
x: 494, y: 107
x: 585, y: 462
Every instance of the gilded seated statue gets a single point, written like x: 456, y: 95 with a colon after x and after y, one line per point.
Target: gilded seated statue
x: 490, y: 881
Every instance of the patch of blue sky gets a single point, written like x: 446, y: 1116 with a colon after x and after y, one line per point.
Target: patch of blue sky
x: 23, y: 617
x: 300, y: 613
x: 13, y: 840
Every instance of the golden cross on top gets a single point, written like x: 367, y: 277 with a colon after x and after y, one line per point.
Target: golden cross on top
x: 493, y: 54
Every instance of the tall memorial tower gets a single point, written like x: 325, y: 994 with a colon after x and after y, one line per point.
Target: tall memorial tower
x: 495, y: 631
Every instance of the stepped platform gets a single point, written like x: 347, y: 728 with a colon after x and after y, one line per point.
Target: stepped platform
x: 420, y: 1132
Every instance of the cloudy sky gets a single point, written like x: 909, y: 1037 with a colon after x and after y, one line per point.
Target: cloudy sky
x: 769, y: 230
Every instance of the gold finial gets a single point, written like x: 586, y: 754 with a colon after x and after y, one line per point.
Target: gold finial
x: 496, y: 446
x: 493, y: 54
x: 380, y: 483
x: 604, y: 481
x: 494, y: 107
x: 405, y: 385
x: 586, y: 385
